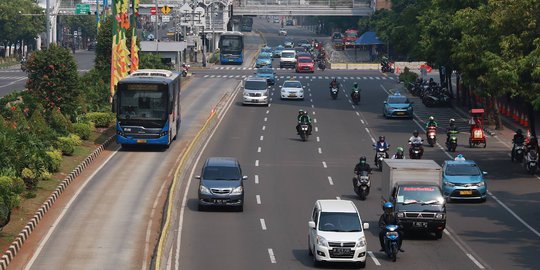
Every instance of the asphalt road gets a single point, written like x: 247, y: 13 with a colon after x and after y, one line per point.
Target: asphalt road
x: 287, y: 175
x: 14, y: 79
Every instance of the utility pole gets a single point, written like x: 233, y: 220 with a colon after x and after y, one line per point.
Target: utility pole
x: 48, y: 22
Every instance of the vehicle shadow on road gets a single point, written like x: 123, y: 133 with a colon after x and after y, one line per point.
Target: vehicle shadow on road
x: 302, y: 255
x: 142, y: 148
x: 193, y: 205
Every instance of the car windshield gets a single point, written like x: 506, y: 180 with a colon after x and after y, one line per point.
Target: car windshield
x: 300, y: 49
x: 221, y: 173
x: 419, y: 194
x: 462, y: 169
x: 398, y: 100
x: 255, y: 85
x: 264, y: 56
x: 303, y: 42
x: 287, y: 54
x: 292, y: 85
x: 304, y: 60
x: 339, y: 222
x: 265, y: 71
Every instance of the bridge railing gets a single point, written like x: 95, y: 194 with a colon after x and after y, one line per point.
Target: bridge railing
x: 327, y: 3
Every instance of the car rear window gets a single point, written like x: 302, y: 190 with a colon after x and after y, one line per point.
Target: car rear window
x: 221, y: 173
x: 339, y: 222
x: 264, y: 56
x: 292, y: 85
x: 287, y: 54
x: 462, y: 169
x: 265, y: 71
x: 255, y: 85
x: 398, y: 100
x: 304, y: 60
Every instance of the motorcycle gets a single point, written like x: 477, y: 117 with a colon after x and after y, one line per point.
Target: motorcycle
x: 23, y: 64
x: 531, y: 161
x: 355, y: 96
x: 185, y: 69
x: 431, y: 135
x: 322, y: 65
x: 380, y: 155
x: 304, y: 134
x: 451, y: 144
x: 518, y: 152
x: 334, y: 92
x: 415, y: 151
x: 362, y: 184
x: 385, y: 67
x: 391, y: 241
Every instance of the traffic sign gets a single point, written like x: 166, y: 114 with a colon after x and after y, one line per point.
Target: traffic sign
x: 165, y: 9
x: 166, y: 18
x: 153, y: 10
x: 82, y: 8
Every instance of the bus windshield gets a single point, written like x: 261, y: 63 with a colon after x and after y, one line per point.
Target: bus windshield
x: 143, y: 103
x: 231, y: 44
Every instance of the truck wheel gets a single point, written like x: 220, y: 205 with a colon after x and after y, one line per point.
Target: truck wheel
x: 438, y: 234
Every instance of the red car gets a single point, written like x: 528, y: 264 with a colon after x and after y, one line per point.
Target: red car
x: 305, y: 64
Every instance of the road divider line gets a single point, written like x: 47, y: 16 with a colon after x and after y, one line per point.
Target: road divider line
x: 264, y: 127
x: 312, y: 106
x: 316, y: 129
x: 267, y: 111
x: 262, y: 137
x: 375, y: 260
x: 318, y: 139
x: 263, y: 224
x: 475, y: 261
x: 320, y: 150
x: 265, y: 119
x: 311, y: 100
x: 464, y: 248
x: 315, y: 120
x: 330, y: 180
x: 256, y: 179
x: 324, y: 164
x: 361, y: 121
x: 271, y: 254
x: 258, y: 198
x: 357, y: 113
x: 514, y: 214
x: 259, y: 149
x: 257, y: 163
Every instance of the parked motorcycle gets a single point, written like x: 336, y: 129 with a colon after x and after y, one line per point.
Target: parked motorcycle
x: 451, y: 145
x: 304, y: 134
x: 391, y: 241
x: 362, y: 184
x: 531, y: 161
x: 518, y: 153
x: 355, y: 96
x: 432, y: 135
x: 334, y: 92
x: 415, y: 151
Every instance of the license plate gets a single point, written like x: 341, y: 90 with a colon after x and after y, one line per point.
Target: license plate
x: 230, y: 60
x: 292, y: 95
x: 465, y: 192
x: 341, y: 251
x: 141, y: 141
x: 219, y: 201
x: 254, y: 100
x: 420, y: 224
x: 400, y: 113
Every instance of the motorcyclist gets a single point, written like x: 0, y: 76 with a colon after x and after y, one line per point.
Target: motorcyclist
x: 399, y: 153
x: 355, y: 88
x: 362, y: 166
x: 388, y: 218
x: 334, y: 84
x: 415, y: 139
x: 381, y: 144
x: 303, y: 118
x: 431, y: 122
x: 532, y: 144
x: 451, y: 130
x: 518, y: 139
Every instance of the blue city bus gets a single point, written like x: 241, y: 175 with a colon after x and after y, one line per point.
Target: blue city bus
x: 231, y: 48
x: 147, y: 107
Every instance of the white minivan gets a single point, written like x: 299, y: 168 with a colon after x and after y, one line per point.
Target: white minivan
x: 255, y: 91
x: 336, y: 233
x: 288, y: 59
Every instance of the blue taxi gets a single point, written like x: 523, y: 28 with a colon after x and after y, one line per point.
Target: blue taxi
x: 397, y: 105
x: 264, y: 60
x: 268, y: 74
x: 463, y: 180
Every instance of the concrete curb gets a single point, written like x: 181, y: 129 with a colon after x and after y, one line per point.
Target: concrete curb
x: 16, y: 245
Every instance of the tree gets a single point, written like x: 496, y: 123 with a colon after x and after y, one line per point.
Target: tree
x: 15, y: 27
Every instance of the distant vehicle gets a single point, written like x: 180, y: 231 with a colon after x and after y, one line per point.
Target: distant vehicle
x: 288, y: 58
x: 268, y: 74
x: 247, y: 24
x: 300, y: 49
x: 282, y: 32
x: 336, y: 233
x: 463, y: 180
x: 221, y: 184
x: 266, y: 49
x: 292, y: 90
x: 303, y: 54
x: 289, y: 22
x: 147, y: 107
x: 150, y: 37
x: 351, y: 35
x: 255, y: 91
x: 288, y: 44
x: 339, y: 44
x: 397, y: 105
x: 277, y: 51
x: 264, y: 60
x: 337, y: 35
x: 276, y: 20
x: 231, y: 48
x: 305, y: 64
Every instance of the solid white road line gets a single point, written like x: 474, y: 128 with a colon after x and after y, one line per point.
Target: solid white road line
x: 514, y: 214
x: 256, y: 179
x: 263, y: 224
x: 257, y: 163
x: 258, y: 198
x: 259, y: 149
x: 324, y: 164
x: 271, y: 254
x: 475, y: 261
x: 330, y: 181
x: 370, y: 253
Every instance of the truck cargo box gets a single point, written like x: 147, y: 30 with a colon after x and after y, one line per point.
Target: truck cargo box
x: 409, y: 171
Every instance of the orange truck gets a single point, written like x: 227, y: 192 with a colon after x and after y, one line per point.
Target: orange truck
x: 351, y: 35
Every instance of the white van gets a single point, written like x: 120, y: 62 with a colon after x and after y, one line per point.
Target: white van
x: 255, y: 91
x: 336, y: 233
x: 288, y: 59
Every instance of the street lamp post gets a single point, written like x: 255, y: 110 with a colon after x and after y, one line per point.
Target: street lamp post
x: 48, y: 22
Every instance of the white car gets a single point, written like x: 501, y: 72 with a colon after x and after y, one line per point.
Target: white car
x: 282, y: 32
x: 292, y: 90
x: 336, y: 233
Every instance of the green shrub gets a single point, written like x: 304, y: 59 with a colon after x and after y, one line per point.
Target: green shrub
x: 55, y: 160
x: 66, y: 145
x: 10, y: 188
x: 75, y: 139
x: 59, y: 122
x: 44, y: 174
x: 83, y: 130
x: 30, y: 178
x: 40, y: 127
x: 407, y: 76
x: 101, y: 119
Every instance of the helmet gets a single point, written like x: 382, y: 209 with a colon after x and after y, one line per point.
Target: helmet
x: 355, y: 84
x: 519, y: 131
x: 452, y: 120
x: 430, y: 79
x: 300, y: 111
x: 381, y: 138
x: 431, y: 118
x: 388, y: 206
x: 362, y: 159
x: 399, y: 149
x: 415, y: 133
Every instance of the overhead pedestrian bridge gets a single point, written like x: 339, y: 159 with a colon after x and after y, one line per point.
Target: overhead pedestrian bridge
x: 304, y: 7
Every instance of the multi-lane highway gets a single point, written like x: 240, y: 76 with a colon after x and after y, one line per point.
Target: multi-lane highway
x: 287, y: 175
